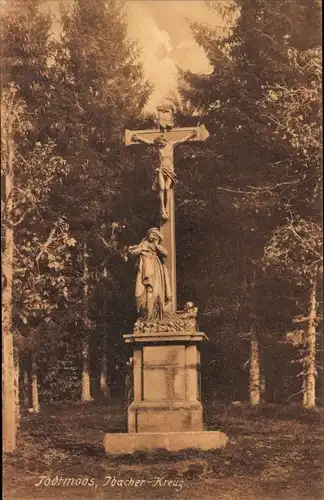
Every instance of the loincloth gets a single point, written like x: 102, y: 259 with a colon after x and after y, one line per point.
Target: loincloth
x: 167, y: 174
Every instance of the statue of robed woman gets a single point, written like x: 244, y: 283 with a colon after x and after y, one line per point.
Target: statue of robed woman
x: 152, y: 289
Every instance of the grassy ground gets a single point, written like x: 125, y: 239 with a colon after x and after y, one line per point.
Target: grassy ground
x: 275, y: 453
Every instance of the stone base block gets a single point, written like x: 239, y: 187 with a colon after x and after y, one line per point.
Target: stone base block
x: 122, y: 443
x: 181, y: 417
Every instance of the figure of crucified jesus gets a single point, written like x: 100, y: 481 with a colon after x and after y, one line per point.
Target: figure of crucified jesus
x: 165, y: 177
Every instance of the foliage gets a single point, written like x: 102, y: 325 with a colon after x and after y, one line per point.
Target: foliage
x: 80, y: 92
x: 27, y: 50
x: 256, y: 186
x: 32, y: 178
x: 262, y: 53
x: 259, y: 185
x: 102, y: 79
x: 60, y: 375
x: 296, y: 247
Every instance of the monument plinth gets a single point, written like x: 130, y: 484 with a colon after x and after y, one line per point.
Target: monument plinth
x: 166, y: 411
x: 166, y: 372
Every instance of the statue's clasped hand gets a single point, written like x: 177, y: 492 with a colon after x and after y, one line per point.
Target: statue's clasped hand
x: 160, y: 248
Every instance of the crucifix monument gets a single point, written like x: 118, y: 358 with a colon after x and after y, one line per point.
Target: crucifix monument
x: 166, y: 411
x: 165, y: 138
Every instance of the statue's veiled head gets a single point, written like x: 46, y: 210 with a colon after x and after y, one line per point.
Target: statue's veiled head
x: 154, y: 234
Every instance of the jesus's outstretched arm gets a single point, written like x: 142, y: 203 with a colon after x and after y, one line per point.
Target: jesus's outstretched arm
x: 138, y: 138
x: 192, y: 135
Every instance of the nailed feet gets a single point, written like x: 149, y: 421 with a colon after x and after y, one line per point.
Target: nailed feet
x: 164, y: 215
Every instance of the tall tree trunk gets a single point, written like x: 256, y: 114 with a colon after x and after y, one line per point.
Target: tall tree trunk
x: 304, y: 390
x: 321, y: 365
x: 263, y: 388
x: 26, y: 382
x: 309, y: 399
x: 104, y: 388
x: 85, y: 387
x: 254, y: 384
x: 16, y: 362
x: 34, y: 385
x: 8, y: 390
x: 85, y: 382
x: 9, y: 400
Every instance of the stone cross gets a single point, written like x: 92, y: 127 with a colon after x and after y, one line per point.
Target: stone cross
x: 166, y: 137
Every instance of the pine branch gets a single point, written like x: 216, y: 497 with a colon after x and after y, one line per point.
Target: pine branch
x: 104, y: 241
x: 301, y: 319
x: 246, y: 363
x: 14, y: 224
x: 47, y: 243
x: 296, y: 394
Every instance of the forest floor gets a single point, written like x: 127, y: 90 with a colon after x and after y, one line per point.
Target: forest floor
x: 275, y: 453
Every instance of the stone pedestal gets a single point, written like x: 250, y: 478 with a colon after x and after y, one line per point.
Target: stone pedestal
x: 122, y: 443
x: 166, y: 371
x: 166, y: 411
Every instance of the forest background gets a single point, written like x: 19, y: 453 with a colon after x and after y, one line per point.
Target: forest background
x: 248, y: 218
